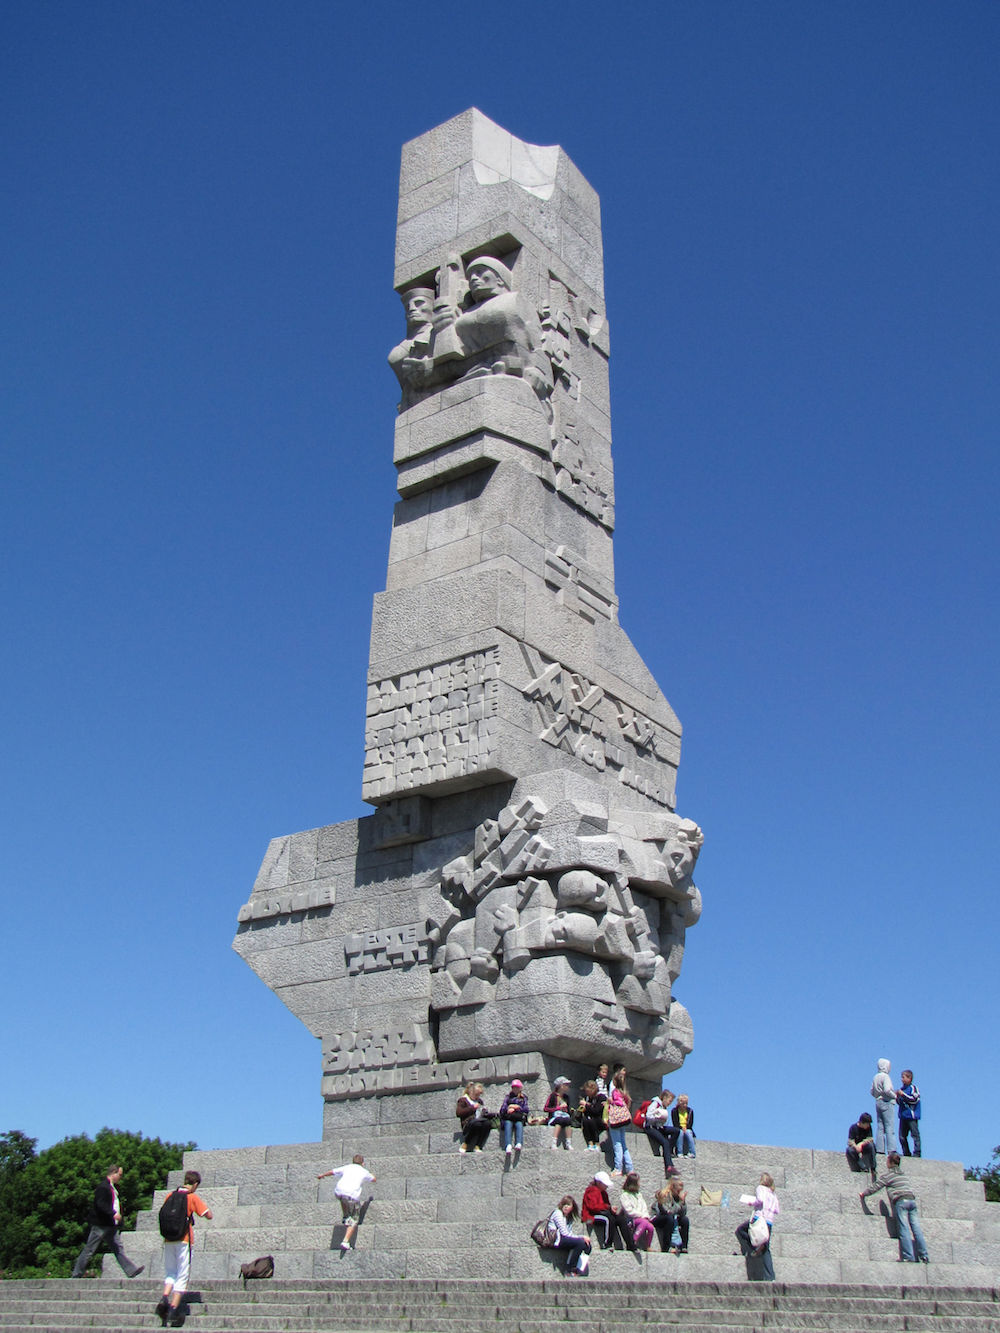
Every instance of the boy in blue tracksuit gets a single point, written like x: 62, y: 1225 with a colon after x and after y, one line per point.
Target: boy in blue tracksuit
x: 908, y: 1101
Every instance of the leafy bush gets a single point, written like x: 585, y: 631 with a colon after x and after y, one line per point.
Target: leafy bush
x: 989, y: 1175
x: 45, y: 1197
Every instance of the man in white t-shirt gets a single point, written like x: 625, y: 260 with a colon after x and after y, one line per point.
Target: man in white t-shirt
x: 353, y: 1179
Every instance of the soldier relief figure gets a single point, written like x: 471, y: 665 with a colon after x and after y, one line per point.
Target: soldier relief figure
x: 473, y: 323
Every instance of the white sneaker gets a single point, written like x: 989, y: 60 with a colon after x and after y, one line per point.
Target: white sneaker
x: 344, y: 1245
x: 508, y: 1150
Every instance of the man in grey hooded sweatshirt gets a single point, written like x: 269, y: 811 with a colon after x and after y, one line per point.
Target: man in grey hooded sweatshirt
x: 885, y: 1103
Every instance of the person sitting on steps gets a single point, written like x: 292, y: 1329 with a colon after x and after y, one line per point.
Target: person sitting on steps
x: 473, y: 1118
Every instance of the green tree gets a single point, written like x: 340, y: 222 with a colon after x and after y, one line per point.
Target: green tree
x: 989, y: 1175
x: 44, y: 1197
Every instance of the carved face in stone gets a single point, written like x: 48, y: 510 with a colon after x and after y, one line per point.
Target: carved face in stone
x: 644, y: 966
x: 486, y: 279
x: 419, y: 307
x: 582, y: 888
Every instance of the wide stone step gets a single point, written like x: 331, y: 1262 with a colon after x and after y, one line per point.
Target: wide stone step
x: 740, y: 1162
x: 553, y: 1306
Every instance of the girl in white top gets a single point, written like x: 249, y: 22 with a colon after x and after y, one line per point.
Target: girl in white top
x: 637, y: 1209
x: 765, y: 1201
x: 577, y: 1247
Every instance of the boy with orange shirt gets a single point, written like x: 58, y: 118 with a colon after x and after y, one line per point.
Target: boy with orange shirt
x: 177, y: 1256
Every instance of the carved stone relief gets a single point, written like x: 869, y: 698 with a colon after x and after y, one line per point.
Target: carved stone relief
x: 585, y: 720
x: 472, y: 323
x: 617, y: 890
x: 579, y: 586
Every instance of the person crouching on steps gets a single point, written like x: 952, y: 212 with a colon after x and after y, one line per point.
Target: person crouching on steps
x: 670, y: 1215
x: 636, y: 1209
x: 177, y: 1256
x: 606, y: 1221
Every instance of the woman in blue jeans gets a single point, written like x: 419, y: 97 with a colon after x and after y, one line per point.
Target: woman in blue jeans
x: 513, y: 1114
x: 616, y: 1133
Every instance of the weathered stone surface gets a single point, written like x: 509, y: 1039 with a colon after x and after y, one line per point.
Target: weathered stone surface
x: 518, y: 902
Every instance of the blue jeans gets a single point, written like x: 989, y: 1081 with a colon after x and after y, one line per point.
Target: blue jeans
x: 623, y: 1158
x: 906, y: 1128
x: 885, y: 1127
x: 905, y: 1211
x: 686, y: 1141
x: 515, y: 1128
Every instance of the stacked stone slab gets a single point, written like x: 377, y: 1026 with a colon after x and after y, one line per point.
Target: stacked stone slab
x: 518, y: 902
x: 436, y: 1214
x: 474, y: 1306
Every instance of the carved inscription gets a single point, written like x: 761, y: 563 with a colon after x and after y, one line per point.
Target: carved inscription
x: 282, y: 904
x: 345, y: 1051
x: 378, y: 950
x: 605, y: 733
x: 426, y: 1077
x: 431, y: 725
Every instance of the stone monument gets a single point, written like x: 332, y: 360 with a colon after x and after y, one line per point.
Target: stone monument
x: 517, y: 902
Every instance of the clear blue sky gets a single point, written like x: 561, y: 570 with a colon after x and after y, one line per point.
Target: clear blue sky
x: 800, y: 209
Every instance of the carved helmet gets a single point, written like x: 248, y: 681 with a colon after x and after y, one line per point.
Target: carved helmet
x: 496, y: 265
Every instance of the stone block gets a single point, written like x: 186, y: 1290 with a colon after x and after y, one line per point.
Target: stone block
x: 427, y: 196
x: 337, y: 842
x: 352, y: 1265
x: 211, y: 1159
x: 291, y: 1265
x: 438, y: 151
x: 498, y: 405
x: 427, y: 232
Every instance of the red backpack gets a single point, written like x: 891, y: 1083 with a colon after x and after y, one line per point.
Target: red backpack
x: 639, y: 1119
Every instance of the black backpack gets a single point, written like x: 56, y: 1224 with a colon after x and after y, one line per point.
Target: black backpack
x: 174, y: 1215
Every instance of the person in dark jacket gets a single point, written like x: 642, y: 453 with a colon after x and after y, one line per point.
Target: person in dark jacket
x: 105, y: 1218
x: 607, y: 1222
x: 861, y: 1145
x: 473, y: 1117
x: 591, y: 1110
x: 682, y: 1118
x: 908, y: 1101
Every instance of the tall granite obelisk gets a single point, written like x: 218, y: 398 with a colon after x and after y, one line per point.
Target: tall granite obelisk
x: 517, y: 902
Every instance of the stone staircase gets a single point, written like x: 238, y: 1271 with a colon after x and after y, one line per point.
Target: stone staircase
x: 436, y: 1213
x: 555, y: 1305
x: 445, y: 1243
